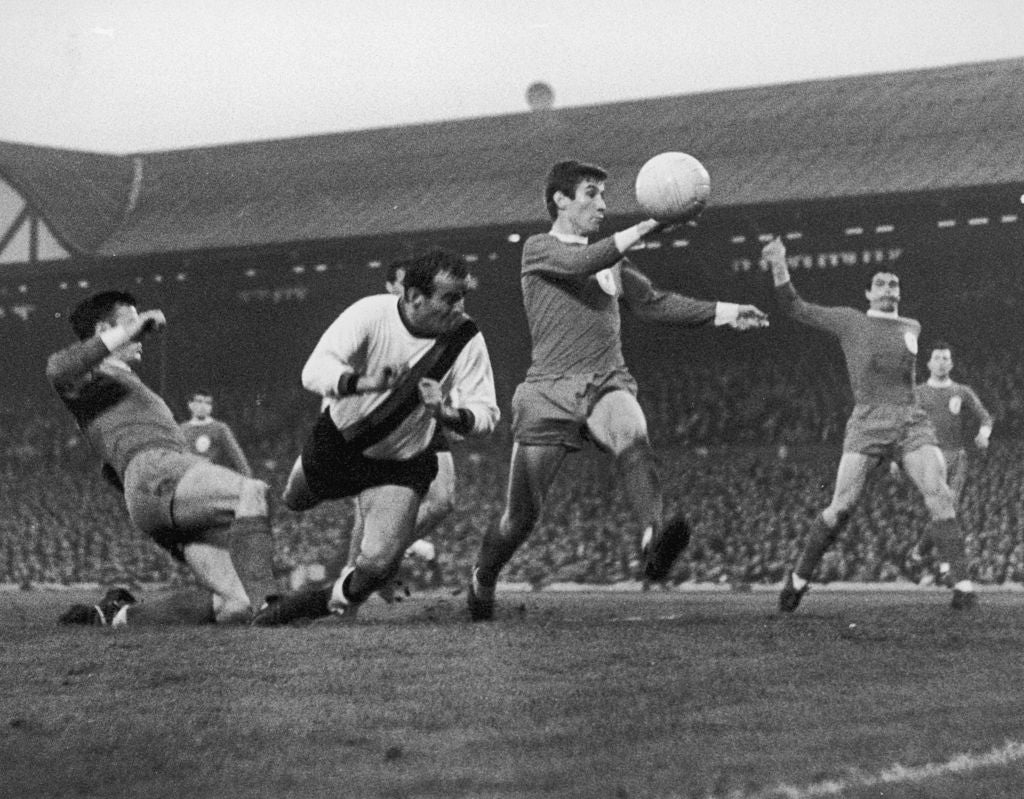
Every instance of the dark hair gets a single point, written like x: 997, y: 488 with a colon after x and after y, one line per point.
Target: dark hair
x: 421, y: 269
x: 940, y: 345
x: 95, y: 309
x: 565, y: 176
x: 879, y: 270
x: 199, y: 392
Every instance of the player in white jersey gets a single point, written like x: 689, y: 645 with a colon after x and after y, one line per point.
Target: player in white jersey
x: 390, y: 369
x: 578, y: 388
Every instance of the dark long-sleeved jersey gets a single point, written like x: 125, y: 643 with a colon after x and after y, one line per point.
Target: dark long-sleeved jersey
x: 880, y: 351
x: 571, y: 293
x: 945, y: 406
x: 118, y: 414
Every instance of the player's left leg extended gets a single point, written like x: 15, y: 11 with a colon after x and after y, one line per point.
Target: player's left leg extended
x: 618, y: 425
x: 926, y: 466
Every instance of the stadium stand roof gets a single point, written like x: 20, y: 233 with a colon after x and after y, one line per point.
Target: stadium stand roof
x: 953, y: 127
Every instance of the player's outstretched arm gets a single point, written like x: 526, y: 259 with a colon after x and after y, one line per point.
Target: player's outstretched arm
x: 652, y: 304
x: 832, y: 320
x: 65, y: 367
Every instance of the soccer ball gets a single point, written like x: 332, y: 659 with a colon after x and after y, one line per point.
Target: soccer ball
x: 672, y: 187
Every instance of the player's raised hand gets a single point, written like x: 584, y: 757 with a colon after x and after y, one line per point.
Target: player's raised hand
x: 431, y: 394
x: 146, y: 322
x: 774, y: 253
x: 749, y: 317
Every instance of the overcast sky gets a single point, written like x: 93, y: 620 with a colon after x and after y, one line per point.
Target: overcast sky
x: 138, y: 75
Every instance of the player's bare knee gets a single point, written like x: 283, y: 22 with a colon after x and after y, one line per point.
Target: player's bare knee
x: 252, y: 499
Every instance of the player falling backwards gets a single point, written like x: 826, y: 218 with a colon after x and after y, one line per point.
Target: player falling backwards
x: 578, y: 387
x: 880, y: 348
x: 213, y: 519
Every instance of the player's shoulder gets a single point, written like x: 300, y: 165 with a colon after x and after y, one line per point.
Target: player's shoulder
x: 541, y: 242
x: 371, y: 306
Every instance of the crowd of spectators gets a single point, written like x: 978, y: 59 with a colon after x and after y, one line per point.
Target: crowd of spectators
x: 748, y: 448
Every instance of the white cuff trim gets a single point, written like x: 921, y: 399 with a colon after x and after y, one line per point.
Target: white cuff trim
x: 726, y: 313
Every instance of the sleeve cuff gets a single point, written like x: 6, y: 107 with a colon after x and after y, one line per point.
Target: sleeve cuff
x: 726, y: 313
x: 625, y: 239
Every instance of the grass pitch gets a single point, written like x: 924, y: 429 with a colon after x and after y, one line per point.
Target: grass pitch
x: 590, y: 694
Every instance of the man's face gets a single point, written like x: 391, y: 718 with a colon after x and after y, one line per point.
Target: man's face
x: 585, y: 211
x: 131, y: 351
x: 200, y: 406
x: 443, y: 310
x: 884, y: 293
x: 940, y: 364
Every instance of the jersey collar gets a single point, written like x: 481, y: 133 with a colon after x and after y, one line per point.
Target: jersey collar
x: 569, y: 238
x: 883, y: 314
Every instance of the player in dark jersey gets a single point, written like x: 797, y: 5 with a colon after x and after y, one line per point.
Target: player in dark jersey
x: 214, y: 520
x: 880, y: 348
x: 577, y: 388
x: 949, y: 404
x: 211, y: 438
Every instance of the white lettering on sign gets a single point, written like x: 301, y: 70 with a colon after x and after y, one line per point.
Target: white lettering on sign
x: 824, y: 260
x: 274, y: 296
x: 22, y: 312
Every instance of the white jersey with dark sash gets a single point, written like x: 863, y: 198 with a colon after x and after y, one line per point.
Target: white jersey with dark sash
x: 370, y: 336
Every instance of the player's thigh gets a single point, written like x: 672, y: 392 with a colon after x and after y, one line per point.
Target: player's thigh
x: 616, y: 421
x: 850, y: 478
x: 531, y: 473
x: 208, y: 496
x: 388, y: 515
x: 442, y: 489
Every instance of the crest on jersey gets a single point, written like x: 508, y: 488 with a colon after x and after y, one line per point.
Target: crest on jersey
x: 955, y: 404
x: 609, y: 281
x: 910, y: 339
x: 203, y: 443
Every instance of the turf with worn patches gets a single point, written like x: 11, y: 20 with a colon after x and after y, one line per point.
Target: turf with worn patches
x: 659, y: 694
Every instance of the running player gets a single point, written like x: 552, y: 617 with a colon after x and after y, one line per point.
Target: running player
x: 577, y: 387
x: 214, y: 520
x: 390, y: 370
x: 880, y: 348
x: 948, y: 404
x: 211, y: 438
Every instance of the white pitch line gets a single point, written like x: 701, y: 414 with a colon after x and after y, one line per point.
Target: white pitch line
x: 1010, y: 752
